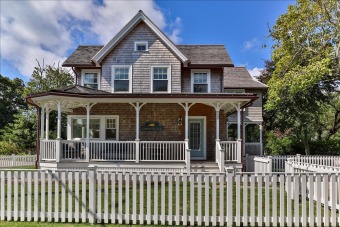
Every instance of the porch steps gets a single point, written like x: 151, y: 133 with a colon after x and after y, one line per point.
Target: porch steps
x: 204, y: 166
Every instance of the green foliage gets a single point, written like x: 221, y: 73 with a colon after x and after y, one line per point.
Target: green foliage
x: 10, y: 99
x: 22, y: 131
x: 303, y: 75
x: 278, y: 145
x: 8, y: 148
x: 45, y: 78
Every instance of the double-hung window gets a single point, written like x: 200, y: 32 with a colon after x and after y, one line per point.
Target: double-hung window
x: 121, y: 78
x: 79, y: 128
x: 161, y: 79
x: 91, y: 79
x: 111, y: 129
x: 200, y: 81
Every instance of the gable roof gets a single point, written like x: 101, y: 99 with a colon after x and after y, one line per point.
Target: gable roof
x: 140, y: 16
x: 239, y: 77
x: 82, y: 56
x: 206, y: 54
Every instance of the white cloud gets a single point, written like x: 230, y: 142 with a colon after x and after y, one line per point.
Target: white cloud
x: 253, y: 44
x: 47, y: 30
x: 255, y: 72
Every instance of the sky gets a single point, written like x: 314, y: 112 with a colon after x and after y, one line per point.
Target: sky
x: 50, y: 30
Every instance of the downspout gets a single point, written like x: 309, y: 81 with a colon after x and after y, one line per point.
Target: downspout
x: 242, y: 141
x: 75, y: 73
x: 38, y: 139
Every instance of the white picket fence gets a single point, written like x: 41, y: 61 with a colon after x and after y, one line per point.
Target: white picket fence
x: 170, y: 198
x: 278, y: 163
x: 17, y: 160
x: 293, y: 166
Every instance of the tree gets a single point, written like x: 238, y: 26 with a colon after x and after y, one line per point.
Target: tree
x: 304, y: 81
x: 11, y: 99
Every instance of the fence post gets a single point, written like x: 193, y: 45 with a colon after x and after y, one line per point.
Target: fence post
x: 270, y: 164
x: 298, y: 157
x: 92, y: 193
x: 230, y: 183
x: 137, y: 150
x: 222, y: 157
x: 13, y: 159
x: 239, y: 151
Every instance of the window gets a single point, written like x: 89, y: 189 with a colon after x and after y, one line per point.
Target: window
x: 111, y: 129
x: 161, y: 79
x: 252, y: 133
x: 232, y: 132
x: 79, y: 128
x: 121, y: 78
x: 91, y: 79
x: 103, y: 127
x: 141, y: 46
x: 200, y: 81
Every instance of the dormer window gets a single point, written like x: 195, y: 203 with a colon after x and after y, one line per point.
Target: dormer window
x: 141, y: 46
x: 91, y: 78
x: 200, y: 81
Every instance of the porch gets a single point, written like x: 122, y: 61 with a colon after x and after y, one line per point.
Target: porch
x: 104, y: 129
x: 166, y: 156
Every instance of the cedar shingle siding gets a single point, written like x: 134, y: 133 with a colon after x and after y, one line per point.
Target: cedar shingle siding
x: 158, y: 54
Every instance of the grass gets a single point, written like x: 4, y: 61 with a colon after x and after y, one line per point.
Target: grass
x: 19, y: 167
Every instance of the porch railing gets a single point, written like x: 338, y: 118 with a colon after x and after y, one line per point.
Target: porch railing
x: 73, y: 149
x: 169, y: 151
x: 113, y: 150
x: 232, y: 150
x: 48, y: 150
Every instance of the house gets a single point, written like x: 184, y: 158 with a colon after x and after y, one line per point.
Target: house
x: 143, y: 103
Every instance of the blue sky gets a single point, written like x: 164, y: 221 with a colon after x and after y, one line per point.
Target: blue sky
x: 51, y: 30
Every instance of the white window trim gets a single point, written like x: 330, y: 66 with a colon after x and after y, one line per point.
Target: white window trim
x: 200, y: 71
x: 102, y: 125
x: 141, y: 42
x: 169, y: 78
x: 83, y: 71
x: 113, y: 76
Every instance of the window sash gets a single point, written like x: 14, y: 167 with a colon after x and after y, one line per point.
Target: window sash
x: 91, y: 80
x: 160, y: 79
x: 111, y: 129
x: 121, y: 78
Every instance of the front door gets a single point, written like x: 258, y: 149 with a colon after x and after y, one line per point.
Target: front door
x: 197, y: 137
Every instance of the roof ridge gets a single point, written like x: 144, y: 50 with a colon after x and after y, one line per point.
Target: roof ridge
x: 200, y: 44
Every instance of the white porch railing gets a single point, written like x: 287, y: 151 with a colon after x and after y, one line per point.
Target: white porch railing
x: 168, y: 151
x: 232, y: 150
x: 220, y: 156
x: 73, y: 150
x: 113, y: 150
x: 48, y: 150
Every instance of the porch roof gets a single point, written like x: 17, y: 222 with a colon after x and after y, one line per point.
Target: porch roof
x: 77, y: 96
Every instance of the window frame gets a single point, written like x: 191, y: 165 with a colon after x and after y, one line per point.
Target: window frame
x: 168, y: 78
x: 83, y: 71
x: 143, y: 43
x: 113, y: 78
x: 207, y: 71
x: 102, y: 126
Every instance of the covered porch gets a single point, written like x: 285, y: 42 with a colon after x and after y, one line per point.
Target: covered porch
x: 174, y: 153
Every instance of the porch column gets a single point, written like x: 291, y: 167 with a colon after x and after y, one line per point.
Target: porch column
x: 47, y: 123
x: 88, y: 107
x: 186, y: 108
x: 58, y: 140
x: 137, y: 107
x: 217, y: 109
x: 261, y: 145
x: 238, y: 122
x: 42, y: 116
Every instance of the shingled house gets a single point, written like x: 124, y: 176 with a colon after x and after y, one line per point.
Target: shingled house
x: 143, y: 103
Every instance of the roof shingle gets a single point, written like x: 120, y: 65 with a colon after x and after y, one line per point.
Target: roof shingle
x: 82, y: 56
x: 239, y: 77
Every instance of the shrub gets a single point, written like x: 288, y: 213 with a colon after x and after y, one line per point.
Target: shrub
x: 8, y: 148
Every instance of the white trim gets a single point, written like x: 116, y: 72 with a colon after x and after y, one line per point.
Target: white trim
x: 204, y: 135
x: 141, y: 43
x: 113, y: 75
x: 102, y: 124
x: 169, y: 78
x: 200, y: 71
x: 140, y: 16
x: 83, y: 71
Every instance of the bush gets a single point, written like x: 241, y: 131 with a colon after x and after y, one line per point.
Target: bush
x: 8, y: 148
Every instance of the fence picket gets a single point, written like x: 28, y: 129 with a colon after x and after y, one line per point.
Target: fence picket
x: 206, y: 202
x: 22, y: 197
x: 36, y: 195
x: 16, y: 196
x: 192, y: 200
x: 70, y: 195
x: 148, y: 199
x: 9, y: 195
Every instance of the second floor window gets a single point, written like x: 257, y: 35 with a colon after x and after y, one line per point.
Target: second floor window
x: 161, y: 79
x: 121, y: 78
x: 200, y: 81
x: 90, y: 80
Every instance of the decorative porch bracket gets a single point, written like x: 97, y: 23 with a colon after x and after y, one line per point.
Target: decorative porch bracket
x: 186, y: 108
x: 137, y: 107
